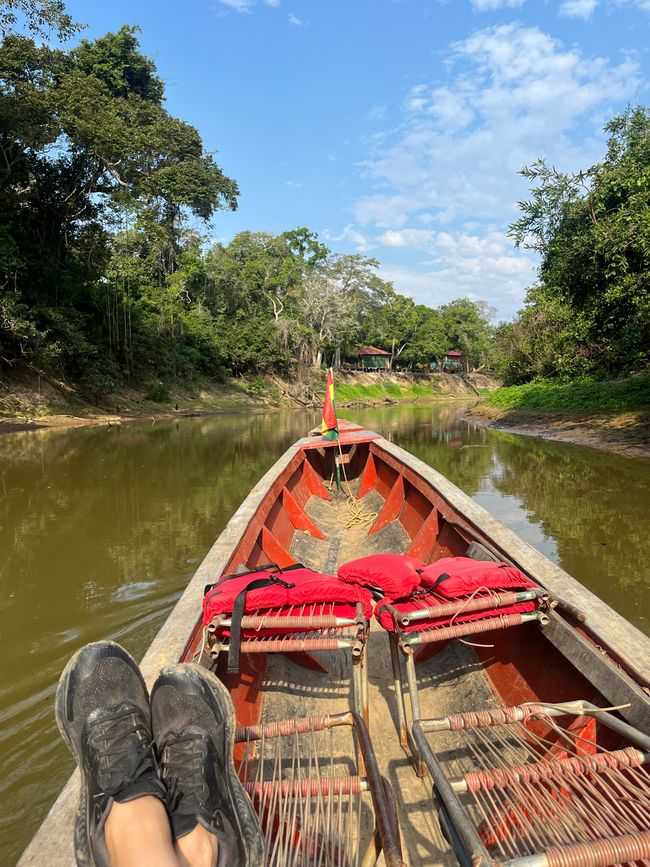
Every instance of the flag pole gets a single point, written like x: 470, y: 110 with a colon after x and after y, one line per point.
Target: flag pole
x: 338, y: 469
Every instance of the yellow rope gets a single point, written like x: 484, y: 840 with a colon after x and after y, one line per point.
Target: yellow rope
x: 354, y: 514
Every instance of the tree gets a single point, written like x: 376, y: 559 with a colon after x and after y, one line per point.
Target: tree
x: 87, y: 144
x: 40, y: 16
x: 467, y: 328
x: 593, y: 232
x: 546, y: 339
x: 335, y: 296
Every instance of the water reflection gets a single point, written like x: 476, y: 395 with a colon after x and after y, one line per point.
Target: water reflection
x: 101, y: 528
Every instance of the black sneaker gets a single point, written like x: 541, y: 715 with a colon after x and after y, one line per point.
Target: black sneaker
x: 102, y: 710
x: 193, y: 724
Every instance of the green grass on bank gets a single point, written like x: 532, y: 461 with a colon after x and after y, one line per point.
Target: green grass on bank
x: 623, y: 396
x: 346, y: 392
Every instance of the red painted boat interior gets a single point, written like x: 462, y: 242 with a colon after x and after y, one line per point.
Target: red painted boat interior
x: 519, y: 670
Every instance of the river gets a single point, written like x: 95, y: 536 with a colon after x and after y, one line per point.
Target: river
x: 101, y: 528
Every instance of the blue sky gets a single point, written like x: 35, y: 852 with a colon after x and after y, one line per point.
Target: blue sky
x: 395, y: 128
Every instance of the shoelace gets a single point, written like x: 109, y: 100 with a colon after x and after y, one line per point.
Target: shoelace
x: 110, y: 736
x: 181, y: 769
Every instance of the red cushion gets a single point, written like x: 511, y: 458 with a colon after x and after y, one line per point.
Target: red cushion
x: 305, y: 587
x: 464, y: 576
x: 394, y: 574
x: 385, y: 619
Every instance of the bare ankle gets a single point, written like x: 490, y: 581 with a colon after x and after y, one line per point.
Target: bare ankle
x: 199, y: 848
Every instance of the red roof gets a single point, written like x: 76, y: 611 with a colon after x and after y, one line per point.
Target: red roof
x: 371, y: 350
x: 454, y: 353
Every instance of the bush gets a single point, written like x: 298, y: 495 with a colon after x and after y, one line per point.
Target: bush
x: 158, y: 393
x: 586, y: 394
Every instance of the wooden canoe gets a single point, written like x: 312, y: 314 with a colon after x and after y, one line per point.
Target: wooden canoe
x: 580, y: 650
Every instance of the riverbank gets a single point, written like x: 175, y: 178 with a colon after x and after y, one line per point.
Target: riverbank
x: 614, y: 416
x: 31, y: 401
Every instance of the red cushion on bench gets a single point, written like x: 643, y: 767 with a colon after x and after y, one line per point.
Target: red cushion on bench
x: 394, y: 574
x: 304, y: 587
x: 465, y: 575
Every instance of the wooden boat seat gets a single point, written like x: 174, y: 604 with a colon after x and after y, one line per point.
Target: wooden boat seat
x: 530, y: 785
x: 426, y: 618
x: 298, y: 630
x: 315, y: 806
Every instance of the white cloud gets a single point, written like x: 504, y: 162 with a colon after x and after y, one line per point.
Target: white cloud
x: 578, y: 8
x: 238, y: 5
x: 510, y: 94
x: 484, y: 268
x: 490, y: 5
x: 514, y: 94
x: 351, y: 237
x: 293, y: 19
x: 415, y: 239
x: 246, y: 5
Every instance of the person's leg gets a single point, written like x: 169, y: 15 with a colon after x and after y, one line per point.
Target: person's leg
x: 138, y: 835
x: 102, y: 710
x: 193, y: 724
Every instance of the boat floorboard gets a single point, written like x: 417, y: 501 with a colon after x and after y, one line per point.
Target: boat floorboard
x: 449, y: 682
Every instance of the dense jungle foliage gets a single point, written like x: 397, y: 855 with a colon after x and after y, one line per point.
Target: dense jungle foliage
x: 589, y: 315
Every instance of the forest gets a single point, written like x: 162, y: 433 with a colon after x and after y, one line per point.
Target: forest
x: 107, y: 276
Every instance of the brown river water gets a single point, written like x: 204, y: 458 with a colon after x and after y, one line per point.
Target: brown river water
x: 101, y: 528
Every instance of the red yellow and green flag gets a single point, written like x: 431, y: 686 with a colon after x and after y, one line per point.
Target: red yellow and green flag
x: 329, y: 425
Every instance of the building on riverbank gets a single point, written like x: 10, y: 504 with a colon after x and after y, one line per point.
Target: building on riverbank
x: 371, y: 358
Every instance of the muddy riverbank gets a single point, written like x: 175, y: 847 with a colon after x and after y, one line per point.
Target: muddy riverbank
x: 624, y: 433
x: 31, y: 402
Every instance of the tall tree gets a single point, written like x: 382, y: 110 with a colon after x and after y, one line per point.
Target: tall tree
x: 593, y: 232
x: 467, y: 326
x: 85, y: 140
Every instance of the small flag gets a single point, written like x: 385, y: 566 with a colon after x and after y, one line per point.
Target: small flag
x: 329, y: 426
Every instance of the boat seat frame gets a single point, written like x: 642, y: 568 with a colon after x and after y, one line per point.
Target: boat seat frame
x: 311, y: 631
x: 403, y: 645
x: 459, y: 827
x: 386, y: 837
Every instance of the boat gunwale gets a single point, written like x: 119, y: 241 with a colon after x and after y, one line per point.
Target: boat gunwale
x: 53, y: 841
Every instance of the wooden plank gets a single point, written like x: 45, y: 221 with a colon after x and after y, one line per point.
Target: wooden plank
x: 368, y: 477
x: 298, y: 517
x: 425, y: 538
x: 360, y: 436
x: 608, y: 679
x: 275, y: 552
x: 313, y: 482
x: 391, y: 508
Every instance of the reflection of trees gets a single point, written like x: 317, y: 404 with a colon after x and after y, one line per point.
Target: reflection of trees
x: 104, y: 507
x: 437, y: 434
x: 594, y: 504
